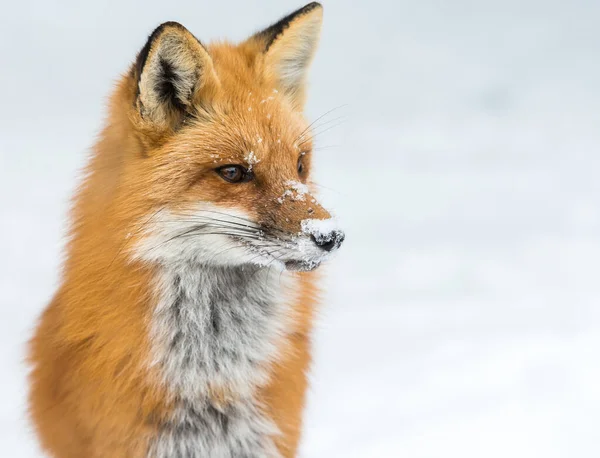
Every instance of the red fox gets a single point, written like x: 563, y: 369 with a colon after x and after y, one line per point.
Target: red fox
x: 181, y: 327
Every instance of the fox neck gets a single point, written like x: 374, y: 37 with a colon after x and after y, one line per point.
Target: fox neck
x: 217, y: 327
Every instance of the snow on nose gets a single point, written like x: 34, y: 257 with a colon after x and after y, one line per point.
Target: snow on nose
x: 324, y: 232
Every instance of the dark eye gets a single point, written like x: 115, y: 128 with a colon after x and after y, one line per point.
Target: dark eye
x: 301, y: 167
x: 234, y: 173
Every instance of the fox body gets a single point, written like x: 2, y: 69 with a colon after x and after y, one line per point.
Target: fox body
x: 181, y: 327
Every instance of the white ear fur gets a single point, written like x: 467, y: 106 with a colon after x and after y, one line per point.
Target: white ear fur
x: 289, y: 47
x: 172, y: 68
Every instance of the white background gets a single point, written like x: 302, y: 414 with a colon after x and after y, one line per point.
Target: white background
x: 461, y: 318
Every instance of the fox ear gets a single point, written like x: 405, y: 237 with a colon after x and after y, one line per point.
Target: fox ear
x: 172, y: 70
x: 289, y: 46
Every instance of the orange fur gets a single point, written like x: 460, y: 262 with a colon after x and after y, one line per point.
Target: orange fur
x: 92, y: 394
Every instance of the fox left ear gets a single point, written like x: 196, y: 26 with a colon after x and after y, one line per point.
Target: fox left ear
x: 173, y: 71
x: 288, y: 47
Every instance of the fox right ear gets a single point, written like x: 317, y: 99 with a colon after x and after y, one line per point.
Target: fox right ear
x: 172, y: 70
x: 288, y: 47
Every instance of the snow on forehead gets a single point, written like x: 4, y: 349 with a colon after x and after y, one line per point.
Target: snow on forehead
x: 251, y: 159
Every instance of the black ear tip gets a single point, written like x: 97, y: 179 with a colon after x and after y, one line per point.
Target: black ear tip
x: 311, y: 6
x: 143, y: 54
x: 161, y: 28
x: 308, y: 8
x: 164, y: 25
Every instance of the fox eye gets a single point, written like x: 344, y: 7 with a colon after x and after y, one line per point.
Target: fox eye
x: 301, y: 167
x: 234, y: 173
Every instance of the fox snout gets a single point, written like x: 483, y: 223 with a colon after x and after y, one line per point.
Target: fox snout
x: 330, y: 241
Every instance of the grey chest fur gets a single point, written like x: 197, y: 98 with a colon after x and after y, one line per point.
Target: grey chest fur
x: 216, y: 327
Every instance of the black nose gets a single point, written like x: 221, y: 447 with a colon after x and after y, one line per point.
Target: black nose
x: 329, y: 242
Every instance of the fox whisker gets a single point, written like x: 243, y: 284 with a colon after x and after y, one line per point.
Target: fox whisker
x: 316, y: 120
x: 247, y: 221
x: 316, y: 128
x: 316, y: 134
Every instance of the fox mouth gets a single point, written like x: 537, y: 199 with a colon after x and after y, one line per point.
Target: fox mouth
x: 300, y: 252
x: 301, y: 266
x: 289, y: 253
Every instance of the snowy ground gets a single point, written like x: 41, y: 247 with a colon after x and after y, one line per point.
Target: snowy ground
x: 462, y: 316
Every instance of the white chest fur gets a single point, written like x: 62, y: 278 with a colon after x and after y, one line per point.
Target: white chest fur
x: 217, y: 327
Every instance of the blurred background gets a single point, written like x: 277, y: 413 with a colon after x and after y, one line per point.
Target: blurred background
x: 461, y: 318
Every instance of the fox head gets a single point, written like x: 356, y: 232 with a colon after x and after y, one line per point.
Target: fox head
x: 223, y: 151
